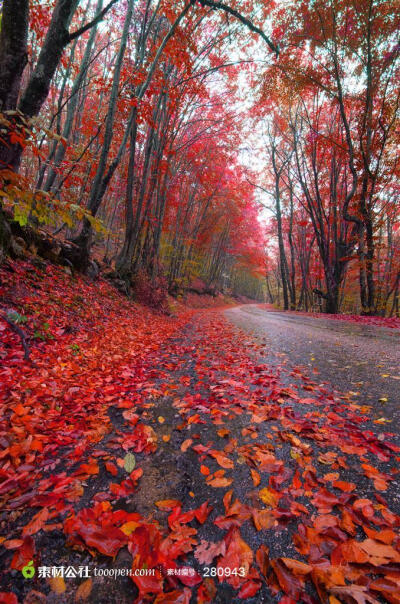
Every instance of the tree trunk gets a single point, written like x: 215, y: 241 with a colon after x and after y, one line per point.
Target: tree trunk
x: 102, y: 178
x: 60, y: 149
x: 13, y: 50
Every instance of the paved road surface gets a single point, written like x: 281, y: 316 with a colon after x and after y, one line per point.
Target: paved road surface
x: 352, y: 357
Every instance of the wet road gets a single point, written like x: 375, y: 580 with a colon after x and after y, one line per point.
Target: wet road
x: 357, y: 358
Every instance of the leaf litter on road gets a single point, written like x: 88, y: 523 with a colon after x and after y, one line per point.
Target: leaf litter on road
x: 286, y: 491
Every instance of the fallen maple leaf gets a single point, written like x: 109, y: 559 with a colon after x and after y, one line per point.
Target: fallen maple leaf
x: 207, y: 551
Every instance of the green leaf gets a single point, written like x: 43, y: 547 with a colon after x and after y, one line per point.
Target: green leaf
x: 20, y: 216
x: 129, y: 462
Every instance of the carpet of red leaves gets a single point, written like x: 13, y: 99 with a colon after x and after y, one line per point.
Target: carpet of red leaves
x: 286, y: 457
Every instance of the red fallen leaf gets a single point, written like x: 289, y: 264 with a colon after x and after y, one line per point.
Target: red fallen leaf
x: 126, y: 487
x: 249, y: 589
x: 204, y: 470
x: 186, y: 444
x: 7, y: 597
x: 207, y: 551
x: 149, y: 584
x: 296, y: 566
x: 196, y: 419
x: 222, y: 459
x: 349, y: 551
x: 168, y: 504
x: 107, y: 541
x: 262, y: 558
x: 136, y: 474
x: 379, y: 553
x: 12, y: 543
x: 174, y: 597
x: 37, y: 522
x: 289, y: 583
x: 130, y: 416
x: 206, y: 592
x: 365, y: 506
x: 287, y: 600
x: 324, y: 500
x: 330, y: 477
x: 219, y: 480
x: 236, y: 513
x: 255, y: 477
x: 297, y: 484
x: 110, y: 467
x: 142, y: 439
x: 386, y: 586
x: 177, y: 518
x: 325, y: 521
x: 385, y: 536
x: 238, y: 555
x: 347, y: 487
x: 307, y: 401
x: 191, y: 579
x: 263, y: 519
x: 389, y: 517
x: 23, y: 554
x: 95, y: 528
x: 359, y: 593
x: 379, y: 480
x: 346, y: 523
x: 87, y: 468
x: 202, y: 512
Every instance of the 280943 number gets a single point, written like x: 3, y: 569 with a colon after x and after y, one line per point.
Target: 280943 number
x: 223, y: 572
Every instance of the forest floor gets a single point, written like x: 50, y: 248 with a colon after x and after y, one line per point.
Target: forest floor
x: 234, y: 464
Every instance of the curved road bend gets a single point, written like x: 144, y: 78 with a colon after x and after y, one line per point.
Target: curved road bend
x: 351, y: 357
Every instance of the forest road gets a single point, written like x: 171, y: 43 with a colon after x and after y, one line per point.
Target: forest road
x: 351, y: 357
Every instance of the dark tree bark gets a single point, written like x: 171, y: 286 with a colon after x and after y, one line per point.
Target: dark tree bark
x: 13, y: 50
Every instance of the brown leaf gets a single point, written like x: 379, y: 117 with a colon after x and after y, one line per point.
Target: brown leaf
x: 57, y: 584
x: 84, y: 590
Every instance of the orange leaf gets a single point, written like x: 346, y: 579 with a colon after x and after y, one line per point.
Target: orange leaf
x: 263, y: 519
x: 385, y: 536
x: 298, y: 568
x: 57, y: 584
x: 84, y: 590
x: 186, y: 444
x: 222, y: 459
x: 110, y: 467
x: 36, y: 524
x: 167, y: 504
x: 347, y: 487
x: 256, y: 477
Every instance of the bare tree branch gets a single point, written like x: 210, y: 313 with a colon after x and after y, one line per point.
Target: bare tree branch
x: 242, y: 19
x: 99, y: 17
